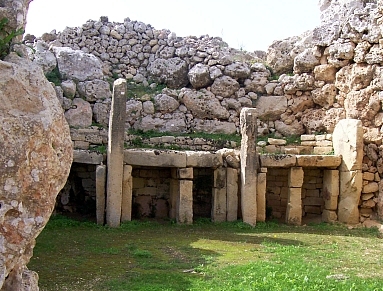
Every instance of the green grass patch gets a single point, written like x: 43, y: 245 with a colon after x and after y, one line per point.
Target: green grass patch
x: 215, y: 137
x: 74, y: 255
x: 136, y: 91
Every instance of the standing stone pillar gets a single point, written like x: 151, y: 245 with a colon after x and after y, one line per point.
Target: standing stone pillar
x: 294, y: 199
x: 127, y: 189
x: 181, y: 195
x: 261, y: 195
x: 115, y: 154
x: 231, y: 194
x: 249, y: 165
x: 100, y: 193
x: 330, y: 192
x: 348, y: 142
x: 174, y: 190
x: 218, y: 212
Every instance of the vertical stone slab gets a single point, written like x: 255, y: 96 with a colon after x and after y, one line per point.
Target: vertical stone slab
x: 350, y: 189
x: 185, y: 202
x: 115, y: 153
x: 330, y: 189
x: 219, y: 196
x: 100, y: 194
x: 294, y: 206
x: 294, y: 199
x: 261, y: 197
x: 249, y: 165
x: 127, y: 188
x: 295, y: 177
x: 231, y: 194
x: 348, y: 142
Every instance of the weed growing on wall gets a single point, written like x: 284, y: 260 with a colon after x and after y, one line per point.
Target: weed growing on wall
x: 54, y: 76
x: 6, y: 37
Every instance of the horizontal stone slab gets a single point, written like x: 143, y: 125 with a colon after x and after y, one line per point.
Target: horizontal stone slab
x: 278, y: 161
x: 203, y: 159
x: 155, y: 158
x: 87, y: 157
x: 325, y: 161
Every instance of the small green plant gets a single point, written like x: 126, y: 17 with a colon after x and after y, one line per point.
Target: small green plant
x: 138, y: 253
x: 54, y: 76
x: 100, y: 149
x: 136, y: 91
x: 6, y: 37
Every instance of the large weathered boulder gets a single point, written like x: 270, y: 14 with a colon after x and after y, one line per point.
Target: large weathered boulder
x: 36, y: 154
x: 77, y: 65
x: 225, y: 86
x: 165, y: 104
x: 199, y: 76
x: 270, y: 108
x: 173, y: 72
x: 203, y: 104
x: 44, y: 57
x: 80, y: 114
x: 94, y: 90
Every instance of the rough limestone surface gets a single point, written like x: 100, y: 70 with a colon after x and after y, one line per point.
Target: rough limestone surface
x: 173, y: 72
x: 77, y: 65
x: 36, y: 155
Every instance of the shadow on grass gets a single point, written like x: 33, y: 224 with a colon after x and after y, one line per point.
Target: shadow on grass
x: 150, y: 255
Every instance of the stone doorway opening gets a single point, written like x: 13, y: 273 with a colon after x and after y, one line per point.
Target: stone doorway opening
x: 151, y: 192
x: 78, y: 196
x: 277, y: 191
x: 202, y: 192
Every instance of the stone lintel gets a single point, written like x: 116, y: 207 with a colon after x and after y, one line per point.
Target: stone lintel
x: 278, y: 161
x: 315, y: 161
x: 203, y: 159
x: 87, y: 157
x: 155, y: 158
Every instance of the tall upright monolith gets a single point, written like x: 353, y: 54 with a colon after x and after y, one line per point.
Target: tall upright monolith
x: 115, y: 154
x: 348, y: 142
x: 249, y: 165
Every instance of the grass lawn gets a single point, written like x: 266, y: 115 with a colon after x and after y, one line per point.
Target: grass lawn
x: 73, y: 255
